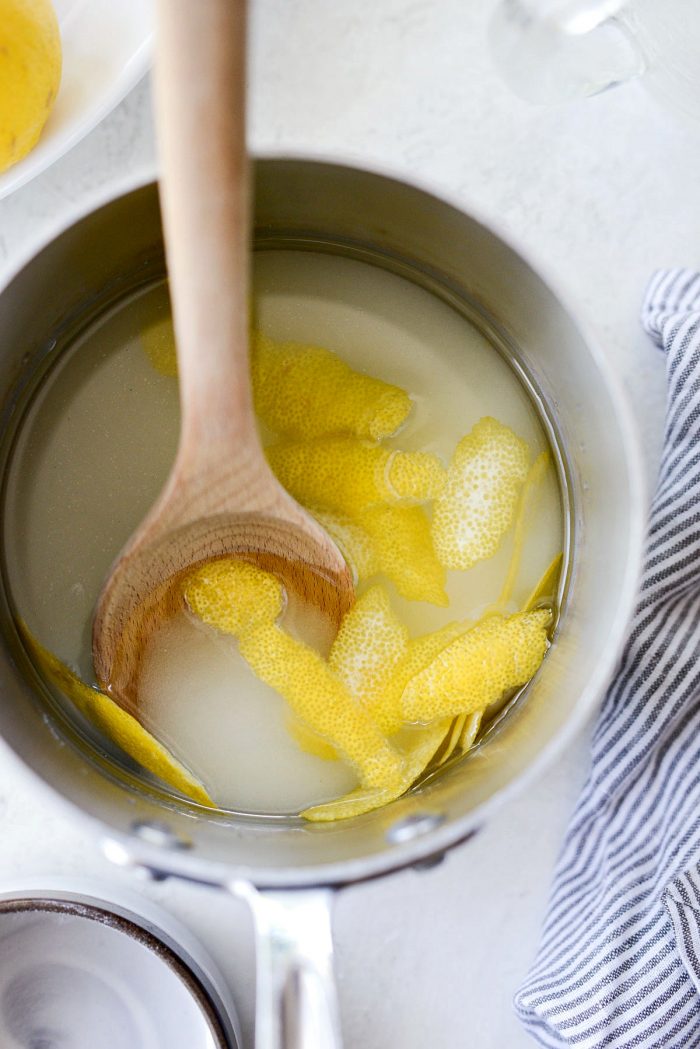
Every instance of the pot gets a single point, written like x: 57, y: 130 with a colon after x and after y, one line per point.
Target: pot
x: 288, y: 870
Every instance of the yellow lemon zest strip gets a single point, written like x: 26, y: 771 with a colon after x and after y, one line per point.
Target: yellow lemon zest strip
x: 400, y: 538
x: 416, y: 757
x: 500, y: 653
x: 415, y: 477
x: 454, y: 734
x: 546, y: 588
x: 307, y: 391
x: 321, y: 701
x: 369, y: 644
x: 242, y: 600
x: 384, y: 703
x: 117, y: 724
x: 393, y: 541
x: 472, y: 724
x: 349, y: 475
x: 476, y: 507
x: 233, y: 596
x: 309, y: 741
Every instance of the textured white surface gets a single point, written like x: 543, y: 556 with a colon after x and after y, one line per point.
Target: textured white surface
x: 603, y: 192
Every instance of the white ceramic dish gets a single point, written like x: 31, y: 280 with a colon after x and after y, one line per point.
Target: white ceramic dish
x: 86, y: 965
x: 106, y: 51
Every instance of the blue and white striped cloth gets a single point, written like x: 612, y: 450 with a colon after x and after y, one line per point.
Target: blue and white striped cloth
x: 619, y: 960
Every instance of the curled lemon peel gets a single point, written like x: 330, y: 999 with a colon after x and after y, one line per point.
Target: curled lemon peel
x: 309, y: 741
x: 497, y: 655
x: 451, y: 741
x: 477, y: 505
x: 416, y: 756
x: 317, y: 697
x: 369, y: 644
x: 349, y: 475
x: 403, y: 548
x: 117, y: 724
x: 233, y: 596
x: 462, y: 735
x: 384, y: 704
x: 393, y: 541
x: 300, y: 391
x: 545, y: 591
x: 244, y: 601
x: 306, y: 391
x: 471, y: 723
x: 415, y: 477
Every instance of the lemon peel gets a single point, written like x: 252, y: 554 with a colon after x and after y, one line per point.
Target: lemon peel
x: 500, y: 653
x: 393, y: 541
x: 321, y: 701
x: 244, y: 601
x: 117, y: 724
x: 233, y: 596
x: 349, y: 475
x: 471, y: 724
x: 403, y: 548
x: 478, y: 502
x: 451, y: 740
x: 307, y: 391
x: 384, y: 703
x: 369, y: 644
x: 30, y: 74
x: 356, y: 803
x: 158, y: 342
x: 546, y: 589
x: 415, y: 476
x: 309, y: 741
x: 462, y: 735
x: 416, y: 758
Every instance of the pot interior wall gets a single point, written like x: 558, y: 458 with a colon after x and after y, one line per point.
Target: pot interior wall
x: 310, y: 204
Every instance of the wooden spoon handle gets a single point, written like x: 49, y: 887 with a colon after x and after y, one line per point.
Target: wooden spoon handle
x: 205, y: 188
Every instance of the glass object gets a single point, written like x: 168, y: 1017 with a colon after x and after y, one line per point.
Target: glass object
x: 555, y: 50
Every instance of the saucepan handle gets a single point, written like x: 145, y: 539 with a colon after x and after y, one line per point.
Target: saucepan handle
x: 297, y: 1006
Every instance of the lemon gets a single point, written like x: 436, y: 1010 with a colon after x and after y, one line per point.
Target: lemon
x: 348, y: 476
x: 478, y: 503
x: 307, y: 392
x: 416, y: 756
x: 243, y: 601
x: 117, y: 724
x: 370, y: 642
x: 30, y: 72
x: 496, y: 655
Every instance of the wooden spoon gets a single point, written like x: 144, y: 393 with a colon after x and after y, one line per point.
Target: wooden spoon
x: 221, y: 497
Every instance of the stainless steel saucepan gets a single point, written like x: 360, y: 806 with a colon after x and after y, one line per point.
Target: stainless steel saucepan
x: 287, y: 869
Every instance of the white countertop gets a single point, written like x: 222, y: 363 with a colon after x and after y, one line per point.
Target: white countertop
x: 603, y: 192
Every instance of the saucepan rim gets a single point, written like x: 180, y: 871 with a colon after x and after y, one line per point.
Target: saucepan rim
x: 126, y: 848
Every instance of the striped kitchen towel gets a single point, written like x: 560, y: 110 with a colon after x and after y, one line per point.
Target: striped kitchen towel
x: 619, y: 960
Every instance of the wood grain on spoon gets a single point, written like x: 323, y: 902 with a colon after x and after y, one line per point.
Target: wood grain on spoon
x: 221, y: 497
